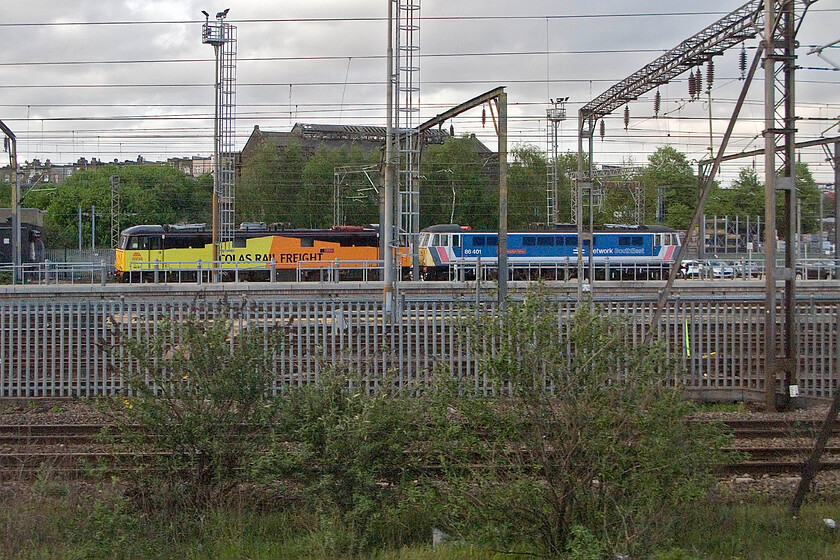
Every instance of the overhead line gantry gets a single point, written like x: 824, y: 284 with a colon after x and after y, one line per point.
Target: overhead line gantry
x: 776, y: 22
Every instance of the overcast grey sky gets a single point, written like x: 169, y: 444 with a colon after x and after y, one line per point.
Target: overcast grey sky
x: 122, y: 78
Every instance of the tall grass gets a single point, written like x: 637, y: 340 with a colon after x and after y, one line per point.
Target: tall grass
x: 55, y: 520
x: 758, y: 531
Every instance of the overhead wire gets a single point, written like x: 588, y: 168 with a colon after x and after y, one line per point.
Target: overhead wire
x: 311, y: 110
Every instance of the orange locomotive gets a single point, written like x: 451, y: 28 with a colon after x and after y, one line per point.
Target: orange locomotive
x: 180, y: 248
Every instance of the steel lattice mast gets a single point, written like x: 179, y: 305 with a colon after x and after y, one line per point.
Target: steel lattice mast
x: 554, y: 116
x: 407, y: 113
x: 114, y: 181
x: 222, y: 36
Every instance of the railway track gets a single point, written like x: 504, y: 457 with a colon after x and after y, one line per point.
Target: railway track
x: 767, y: 447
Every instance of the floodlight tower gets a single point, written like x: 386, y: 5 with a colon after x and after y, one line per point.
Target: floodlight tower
x: 555, y: 115
x: 222, y: 36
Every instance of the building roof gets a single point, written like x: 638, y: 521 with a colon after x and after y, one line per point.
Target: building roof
x: 311, y: 136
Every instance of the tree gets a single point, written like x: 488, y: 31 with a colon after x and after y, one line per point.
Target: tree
x: 150, y: 194
x: 670, y: 168
x: 808, y: 195
x: 746, y: 198
x: 315, y: 201
x: 455, y: 165
x: 260, y: 196
x: 527, y: 184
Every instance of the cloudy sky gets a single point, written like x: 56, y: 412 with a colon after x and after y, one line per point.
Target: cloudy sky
x: 122, y: 78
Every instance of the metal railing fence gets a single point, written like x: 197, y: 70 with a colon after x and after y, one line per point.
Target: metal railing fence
x: 56, y: 348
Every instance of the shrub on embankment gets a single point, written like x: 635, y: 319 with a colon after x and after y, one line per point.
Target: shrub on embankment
x: 579, y: 450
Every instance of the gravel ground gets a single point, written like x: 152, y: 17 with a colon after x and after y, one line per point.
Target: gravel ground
x: 24, y: 412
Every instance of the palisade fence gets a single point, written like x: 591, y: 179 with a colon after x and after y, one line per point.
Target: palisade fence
x: 55, y: 348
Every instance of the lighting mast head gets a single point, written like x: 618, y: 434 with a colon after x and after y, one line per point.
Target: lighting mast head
x: 215, y: 33
x: 557, y: 112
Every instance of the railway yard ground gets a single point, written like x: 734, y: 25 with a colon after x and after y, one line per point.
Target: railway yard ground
x: 58, y: 506
x: 61, y: 435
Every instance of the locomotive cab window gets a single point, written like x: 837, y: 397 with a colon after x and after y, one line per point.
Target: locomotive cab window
x: 139, y: 243
x: 456, y: 240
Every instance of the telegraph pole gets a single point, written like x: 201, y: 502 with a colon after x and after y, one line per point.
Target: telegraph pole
x: 11, y: 145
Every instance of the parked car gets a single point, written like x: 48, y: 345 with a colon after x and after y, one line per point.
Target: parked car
x: 691, y: 269
x: 748, y: 269
x: 719, y: 269
x: 815, y: 270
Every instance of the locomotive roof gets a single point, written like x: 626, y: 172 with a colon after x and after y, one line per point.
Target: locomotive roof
x: 557, y: 228
x: 145, y: 228
x: 188, y: 229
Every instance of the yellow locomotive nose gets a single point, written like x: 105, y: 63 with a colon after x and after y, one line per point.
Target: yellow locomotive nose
x: 425, y: 257
x: 119, y: 260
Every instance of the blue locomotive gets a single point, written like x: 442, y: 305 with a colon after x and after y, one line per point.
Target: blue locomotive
x: 619, y: 252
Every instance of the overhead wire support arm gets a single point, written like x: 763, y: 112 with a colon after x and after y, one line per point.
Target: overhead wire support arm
x: 499, y: 96
x: 458, y: 109
x: 737, y: 26
x: 819, y: 52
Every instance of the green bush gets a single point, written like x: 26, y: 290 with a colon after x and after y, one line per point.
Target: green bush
x: 585, y: 436
x: 351, y: 453
x: 197, y: 406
